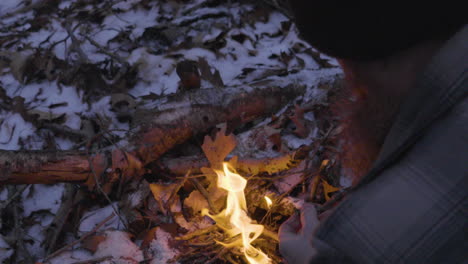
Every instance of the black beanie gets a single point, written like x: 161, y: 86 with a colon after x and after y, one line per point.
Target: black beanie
x: 373, y: 29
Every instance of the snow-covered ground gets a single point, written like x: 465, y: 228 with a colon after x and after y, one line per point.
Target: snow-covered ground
x: 243, y: 42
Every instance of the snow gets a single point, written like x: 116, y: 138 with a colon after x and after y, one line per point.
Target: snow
x: 3, y: 194
x: 12, y: 128
x: 102, y: 37
x: 72, y: 257
x: 159, y: 250
x: 120, y: 247
x: 346, y: 181
x: 54, y: 31
x: 41, y: 96
x: 65, y: 4
x: 5, y: 250
x: 157, y: 73
x: 37, y: 236
x: 94, y: 217
x: 7, y: 6
x: 42, y: 197
x: 7, y: 20
x: 138, y: 20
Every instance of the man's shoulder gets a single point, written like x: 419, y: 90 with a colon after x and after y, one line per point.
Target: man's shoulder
x: 410, y: 206
x: 442, y: 86
x: 412, y: 212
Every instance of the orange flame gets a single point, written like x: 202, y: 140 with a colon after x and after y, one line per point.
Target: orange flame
x: 234, y: 219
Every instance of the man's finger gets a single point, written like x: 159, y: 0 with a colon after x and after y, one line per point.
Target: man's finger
x: 309, y: 219
x: 290, y: 226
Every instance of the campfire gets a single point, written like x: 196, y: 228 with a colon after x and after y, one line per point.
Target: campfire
x: 234, y: 219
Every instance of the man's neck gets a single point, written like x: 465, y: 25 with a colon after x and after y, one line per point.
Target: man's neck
x: 375, y: 90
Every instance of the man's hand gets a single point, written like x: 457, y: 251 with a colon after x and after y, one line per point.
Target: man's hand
x: 295, y: 236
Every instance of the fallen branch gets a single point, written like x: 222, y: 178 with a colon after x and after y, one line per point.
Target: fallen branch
x: 179, y: 120
x: 29, y: 167
x: 251, y: 166
x: 154, y: 133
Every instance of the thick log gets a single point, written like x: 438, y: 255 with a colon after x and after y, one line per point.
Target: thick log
x: 159, y: 132
x: 175, y: 119
x: 29, y: 167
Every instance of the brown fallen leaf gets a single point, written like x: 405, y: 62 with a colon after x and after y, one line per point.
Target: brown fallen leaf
x: 189, y: 75
x: 162, y: 193
x: 297, y: 117
x: 91, y: 243
x: 327, y: 189
x: 206, y: 74
x: 217, y: 150
x: 271, y: 165
x: 149, y: 236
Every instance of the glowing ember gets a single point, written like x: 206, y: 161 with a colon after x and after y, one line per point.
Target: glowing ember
x: 234, y: 219
x: 268, y: 201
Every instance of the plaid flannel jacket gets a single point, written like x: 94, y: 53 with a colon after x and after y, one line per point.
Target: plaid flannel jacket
x: 412, y: 206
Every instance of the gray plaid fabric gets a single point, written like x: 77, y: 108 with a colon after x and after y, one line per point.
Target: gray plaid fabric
x: 412, y: 206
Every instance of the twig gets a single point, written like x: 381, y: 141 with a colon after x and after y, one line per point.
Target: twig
x: 63, y: 249
x: 4, y: 204
x: 205, y: 194
x: 95, y: 260
x: 218, y: 256
x: 230, y: 259
x: 105, y: 51
x: 175, y: 191
x: 98, y: 185
x: 313, y: 189
x: 335, y: 198
x: 316, y: 180
x: 65, y: 131
x: 19, y: 232
x: 270, y: 234
x: 279, y: 198
x: 196, y: 233
x: 75, y: 45
x: 114, y: 56
x: 201, y: 244
x: 55, y: 228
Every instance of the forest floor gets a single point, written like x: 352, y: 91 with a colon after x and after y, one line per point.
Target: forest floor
x: 81, y: 75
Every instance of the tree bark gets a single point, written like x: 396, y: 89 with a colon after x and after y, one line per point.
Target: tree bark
x: 175, y: 119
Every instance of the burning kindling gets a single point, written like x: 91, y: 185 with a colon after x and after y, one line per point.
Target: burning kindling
x: 234, y: 219
x: 240, y: 209
x: 240, y: 230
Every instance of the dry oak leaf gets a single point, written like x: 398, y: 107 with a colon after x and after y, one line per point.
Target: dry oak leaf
x: 216, y: 150
x: 268, y: 165
x: 162, y: 193
x: 327, y: 189
x: 271, y: 165
x: 196, y: 202
x: 92, y: 243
